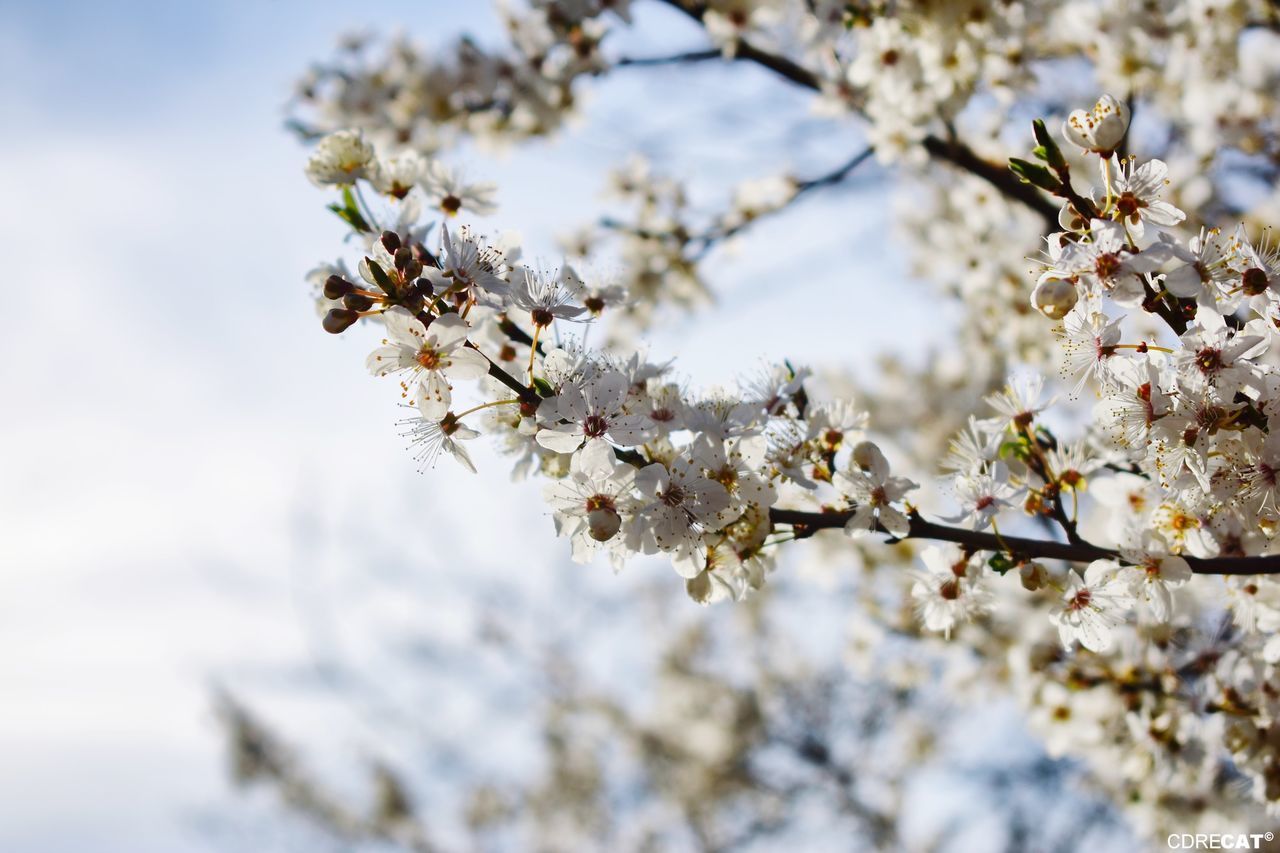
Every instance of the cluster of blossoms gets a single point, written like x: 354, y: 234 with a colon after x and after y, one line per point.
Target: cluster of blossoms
x: 1154, y: 302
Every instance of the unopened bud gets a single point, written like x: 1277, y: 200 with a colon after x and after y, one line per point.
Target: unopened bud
x: 391, y: 241
x: 1054, y: 297
x: 699, y: 587
x: 603, y: 524
x: 357, y: 302
x: 1255, y: 282
x: 336, y: 287
x: 1099, y: 130
x: 339, y: 320
x: 866, y: 454
x: 1032, y: 575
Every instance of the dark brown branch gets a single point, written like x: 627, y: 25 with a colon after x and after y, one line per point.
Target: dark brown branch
x: 951, y: 151
x: 997, y: 175
x: 674, y: 59
x: 807, y: 523
x: 747, y: 52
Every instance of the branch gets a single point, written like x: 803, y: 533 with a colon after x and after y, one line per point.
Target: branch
x: 997, y: 175
x: 710, y: 238
x: 674, y: 59
x: 951, y: 151
x: 808, y: 523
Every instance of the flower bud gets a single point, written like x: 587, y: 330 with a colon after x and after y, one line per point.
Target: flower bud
x: 339, y: 320
x: 603, y: 524
x: 866, y: 454
x: 1254, y: 282
x: 390, y: 241
x: 1054, y: 297
x: 357, y: 302
x: 336, y: 287
x: 1032, y: 575
x: 699, y: 587
x: 1098, y: 130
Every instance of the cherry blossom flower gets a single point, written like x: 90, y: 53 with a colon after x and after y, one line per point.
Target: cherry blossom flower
x: 593, y: 501
x: 429, y: 437
x: 432, y: 356
x: 446, y: 191
x: 867, y: 483
x: 590, y: 411
x: 983, y: 495
x: 1211, y: 269
x: 341, y: 158
x: 1092, y: 606
x: 397, y: 176
x: 1100, y: 129
x: 1090, y: 342
x: 468, y: 265
x: 1107, y: 262
x: 949, y: 590
x: 1137, y: 191
x: 1156, y: 573
x: 544, y: 296
x: 680, y: 504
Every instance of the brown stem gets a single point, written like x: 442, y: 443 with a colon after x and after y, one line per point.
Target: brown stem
x: 808, y: 523
x: 951, y: 151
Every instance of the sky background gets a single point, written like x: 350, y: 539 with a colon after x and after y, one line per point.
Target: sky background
x: 195, y: 480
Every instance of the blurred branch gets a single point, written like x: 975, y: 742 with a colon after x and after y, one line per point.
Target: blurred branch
x: 258, y: 756
x: 674, y: 59
x: 832, y: 178
x: 950, y: 150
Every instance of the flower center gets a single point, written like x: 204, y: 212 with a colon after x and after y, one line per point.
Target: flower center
x: 1107, y: 265
x: 673, y: 496
x: 595, y: 426
x: 1209, y: 360
x: 1081, y: 599
x: 1128, y: 205
x: 598, y: 502
x: 428, y: 358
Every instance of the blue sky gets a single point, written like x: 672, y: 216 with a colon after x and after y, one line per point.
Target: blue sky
x: 174, y: 414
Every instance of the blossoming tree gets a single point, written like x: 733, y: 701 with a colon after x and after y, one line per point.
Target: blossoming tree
x: 1089, y: 504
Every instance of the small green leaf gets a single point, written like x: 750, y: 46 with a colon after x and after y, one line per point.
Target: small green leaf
x: 1047, y: 149
x: 1035, y: 174
x: 1001, y: 563
x: 349, y: 212
x: 543, y: 387
x: 380, y: 277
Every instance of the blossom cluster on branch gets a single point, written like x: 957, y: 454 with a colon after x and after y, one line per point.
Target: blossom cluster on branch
x: 1107, y: 448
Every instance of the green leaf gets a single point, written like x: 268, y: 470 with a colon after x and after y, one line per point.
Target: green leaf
x: 349, y: 212
x: 543, y: 387
x: 1001, y: 563
x: 1047, y: 149
x: 380, y: 277
x: 1035, y: 174
x: 1018, y: 447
